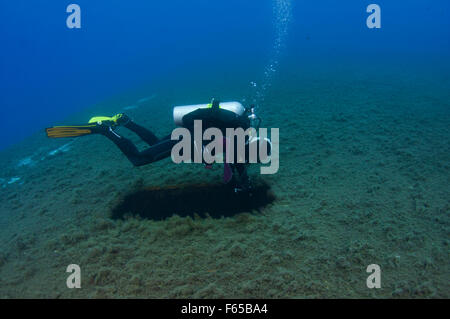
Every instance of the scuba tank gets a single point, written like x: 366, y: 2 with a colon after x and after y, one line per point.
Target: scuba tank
x: 180, y: 111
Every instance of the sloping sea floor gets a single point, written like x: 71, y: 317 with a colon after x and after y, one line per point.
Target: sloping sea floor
x: 364, y: 179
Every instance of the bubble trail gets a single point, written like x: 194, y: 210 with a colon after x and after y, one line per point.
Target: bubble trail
x: 282, y: 10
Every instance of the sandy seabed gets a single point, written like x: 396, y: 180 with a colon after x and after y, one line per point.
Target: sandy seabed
x: 364, y: 179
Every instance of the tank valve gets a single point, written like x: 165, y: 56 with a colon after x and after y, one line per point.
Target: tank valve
x: 255, y: 120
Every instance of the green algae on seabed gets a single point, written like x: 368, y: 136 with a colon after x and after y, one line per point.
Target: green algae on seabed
x: 363, y: 179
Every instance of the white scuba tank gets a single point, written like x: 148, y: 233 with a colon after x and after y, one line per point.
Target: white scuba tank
x: 180, y: 111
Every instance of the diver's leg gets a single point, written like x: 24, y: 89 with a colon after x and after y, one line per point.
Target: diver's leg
x: 125, y: 145
x: 159, y: 151
x: 145, y: 134
x: 155, y: 153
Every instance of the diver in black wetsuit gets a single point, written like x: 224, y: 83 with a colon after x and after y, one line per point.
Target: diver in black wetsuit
x: 211, y: 116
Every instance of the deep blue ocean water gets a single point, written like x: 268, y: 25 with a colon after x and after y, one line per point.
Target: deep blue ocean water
x: 49, y: 71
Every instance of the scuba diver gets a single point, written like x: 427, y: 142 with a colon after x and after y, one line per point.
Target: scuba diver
x: 214, y: 115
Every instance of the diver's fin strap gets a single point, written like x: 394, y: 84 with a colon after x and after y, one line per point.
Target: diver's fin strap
x: 69, y: 131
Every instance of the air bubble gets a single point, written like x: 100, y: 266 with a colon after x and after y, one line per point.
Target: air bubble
x: 283, y: 15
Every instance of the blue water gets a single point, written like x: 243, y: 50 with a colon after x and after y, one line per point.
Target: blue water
x: 49, y: 71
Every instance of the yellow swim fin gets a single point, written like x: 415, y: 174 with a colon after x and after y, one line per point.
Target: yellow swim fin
x: 117, y: 119
x: 70, y: 131
x: 96, y: 124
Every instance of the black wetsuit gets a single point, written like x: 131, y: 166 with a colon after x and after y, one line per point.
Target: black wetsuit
x: 161, y: 148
